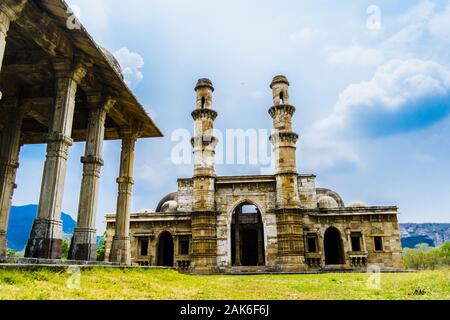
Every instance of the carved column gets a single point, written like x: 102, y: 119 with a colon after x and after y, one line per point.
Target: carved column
x: 120, y: 249
x: 46, y: 235
x: 237, y: 238
x: 7, y: 15
x: 260, y: 246
x: 84, y: 240
x: 9, y: 162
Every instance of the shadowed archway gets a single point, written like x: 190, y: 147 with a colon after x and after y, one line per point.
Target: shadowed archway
x: 165, y: 251
x: 334, y: 253
x: 247, y: 236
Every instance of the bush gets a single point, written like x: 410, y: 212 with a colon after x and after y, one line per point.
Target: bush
x: 65, y: 249
x: 423, y: 257
x: 101, y: 248
x: 11, y: 253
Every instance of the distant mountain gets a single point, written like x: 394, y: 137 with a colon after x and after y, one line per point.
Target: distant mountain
x: 433, y: 234
x: 20, y: 223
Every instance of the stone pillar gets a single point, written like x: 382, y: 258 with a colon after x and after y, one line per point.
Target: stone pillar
x: 46, y: 235
x: 260, y: 247
x: 9, y: 162
x: 84, y: 240
x: 120, y: 249
x: 8, y: 13
x: 237, y: 238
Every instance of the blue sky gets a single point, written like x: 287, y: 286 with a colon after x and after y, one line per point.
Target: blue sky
x: 372, y: 103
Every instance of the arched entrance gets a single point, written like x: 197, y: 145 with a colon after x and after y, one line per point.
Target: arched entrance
x: 334, y: 253
x: 247, y: 236
x: 165, y: 250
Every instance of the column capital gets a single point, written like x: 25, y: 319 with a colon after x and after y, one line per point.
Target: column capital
x: 64, y: 68
x: 101, y: 101
x: 133, y: 131
x: 93, y: 160
x: 12, y: 8
x: 59, y: 137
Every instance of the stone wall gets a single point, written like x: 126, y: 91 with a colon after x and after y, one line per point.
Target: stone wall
x: 371, y: 222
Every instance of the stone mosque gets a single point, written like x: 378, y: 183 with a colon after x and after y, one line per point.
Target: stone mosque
x: 266, y: 223
x: 59, y: 87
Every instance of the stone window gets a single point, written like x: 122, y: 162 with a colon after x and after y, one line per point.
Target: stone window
x: 281, y: 98
x: 311, y: 240
x: 378, y: 242
x: 184, y: 246
x: 356, y: 238
x: 203, y: 102
x: 143, y: 247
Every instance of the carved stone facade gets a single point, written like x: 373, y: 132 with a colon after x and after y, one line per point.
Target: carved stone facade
x: 278, y: 223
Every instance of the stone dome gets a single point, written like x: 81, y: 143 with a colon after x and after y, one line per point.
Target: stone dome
x: 112, y: 61
x: 357, y: 204
x: 279, y: 79
x: 170, y: 197
x: 327, y: 202
x: 169, y: 206
x: 204, y: 82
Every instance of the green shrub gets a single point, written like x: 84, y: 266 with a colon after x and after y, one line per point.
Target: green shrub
x: 424, y: 257
x: 101, y: 249
x: 65, y: 249
x: 11, y: 253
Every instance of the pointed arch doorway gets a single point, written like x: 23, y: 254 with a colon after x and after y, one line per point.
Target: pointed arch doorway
x: 165, y: 252
x: 334, y: 250
x: 247, y: 236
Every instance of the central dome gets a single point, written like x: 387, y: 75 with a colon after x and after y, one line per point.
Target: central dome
x: 169, y: 206
x: 327, y: 202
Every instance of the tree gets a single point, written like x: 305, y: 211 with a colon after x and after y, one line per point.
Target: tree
x: 101, y: 247
x: 424, y: 257
x: 11, y: 253
x: 65, y: 249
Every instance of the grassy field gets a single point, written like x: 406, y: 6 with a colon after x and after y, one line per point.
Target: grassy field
x: 165, y: 284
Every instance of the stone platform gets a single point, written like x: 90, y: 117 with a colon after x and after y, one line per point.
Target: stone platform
x: 31, y: 264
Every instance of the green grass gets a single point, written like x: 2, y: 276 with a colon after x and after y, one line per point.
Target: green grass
x: 165, y: 284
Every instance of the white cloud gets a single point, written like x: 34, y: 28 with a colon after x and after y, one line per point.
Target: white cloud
x: 403, y: 95
x: 131, y: 63
x: 419, y: 13
x: 94, y: 15
x: 439, y: 25
x: 356, y: 55
x: 304, y: 35
x: 394, y: 87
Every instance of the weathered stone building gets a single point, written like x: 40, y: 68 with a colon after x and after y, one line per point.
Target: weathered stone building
x: 59, y: 87
x: 279, y: 222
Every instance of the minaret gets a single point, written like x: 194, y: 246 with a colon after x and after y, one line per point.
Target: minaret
x: 289, y: 220
x: 204, y: 235
x: 284, y: 142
